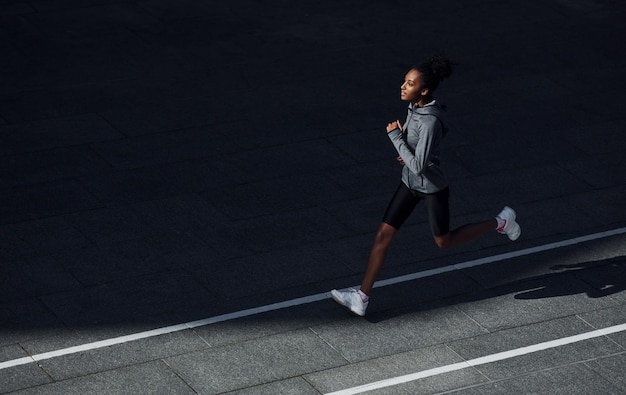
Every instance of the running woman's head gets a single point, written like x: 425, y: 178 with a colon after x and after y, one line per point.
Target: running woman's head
x: 423, y: 79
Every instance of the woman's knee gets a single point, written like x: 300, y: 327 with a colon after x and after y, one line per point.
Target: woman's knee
x: 385, y: 235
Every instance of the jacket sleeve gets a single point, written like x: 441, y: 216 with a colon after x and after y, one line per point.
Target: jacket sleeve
x: 417, y: 160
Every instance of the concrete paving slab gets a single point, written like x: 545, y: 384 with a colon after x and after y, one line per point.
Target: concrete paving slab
x: 400, y: 364
x: 593, y: 201
x: 608, y: 317
x: 268, y: 324
x: 279, y: 231
x: 110, y: 225
x: 25, y: 376
x: 26, y: 319
x: 534, y: 300
x: 121, y: 355
x: 127, y: 301
x: 505, y: 340
x: 46, y: 236
x: 56, y: 132
x: 292, y: 267
x: 359, y: 340
x: 163, y: 148
x: 255, y: 199
x: 295, y: 386
x: 573, y: 379
x: 611, y: 369
x: 51, y: 165
x: 34, y: 277
x: 179, y: 213
x: 45, y: 200
x: 152, y: 377
x: 246, y: 364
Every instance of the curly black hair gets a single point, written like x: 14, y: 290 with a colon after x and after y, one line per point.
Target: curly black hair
x: 434, y: 69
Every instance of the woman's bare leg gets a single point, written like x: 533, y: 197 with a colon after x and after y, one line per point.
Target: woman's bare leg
x: 384, y: 237
x: 465, y: 233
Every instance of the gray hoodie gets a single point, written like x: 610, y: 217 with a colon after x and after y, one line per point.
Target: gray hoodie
x: 418, y: 146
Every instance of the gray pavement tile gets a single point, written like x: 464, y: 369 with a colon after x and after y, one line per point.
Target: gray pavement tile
x: 537, y: 299
x: 260, y: 273
x: 609, y: 249
x: 11, y: 351
x: 608, y: 317
x: 163, y: 148
x: 15, y: 9
x: 362, y: 214
x: 48, y: 236
x: 121, y: 355
x: 554, y: 218
x: 546, y: 360
x: 358, y: 339
x: 310, y: 156
x: 246, y: 364
x: 110, y: 225
x: 89, y: 17
x: 26, y: 319
x: 521, y: 185
x: 137, y: 257
x: 46, y: 105
x: 72, y: 58
x: 608, y: 142
x: 611, y: 369
x: 50, y: 165
x: 523, y: 336
x: 584, y: 169
x: 531, y: 267
x: 417, y: 296
x: 56, y: 132
x: 573, y: 379
x: 604, y: 206
x: 271, y: 232
x: 295, y: 386
x: 33, y: 278
x: 400, y: 364
x: 254, y: 199
x: 196, y: 176
x: 23, y: 376
x: 45, y: 200
x: 479, y: 159
x: 268, y: 324
x: 130, y: 186
x: 133, y: 300
x: 179, y: 213
x: 176, y: 114
x: 152, y: 377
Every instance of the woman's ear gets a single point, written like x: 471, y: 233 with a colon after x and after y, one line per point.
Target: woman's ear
x: 424, y: 92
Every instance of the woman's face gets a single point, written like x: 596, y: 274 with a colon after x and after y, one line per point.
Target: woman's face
x: 412, y: 89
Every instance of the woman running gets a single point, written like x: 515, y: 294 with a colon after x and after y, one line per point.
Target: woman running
x: 418, y: 144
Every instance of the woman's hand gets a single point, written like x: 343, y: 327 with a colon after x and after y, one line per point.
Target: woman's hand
x: 399, y: 159
x: 393, y: 126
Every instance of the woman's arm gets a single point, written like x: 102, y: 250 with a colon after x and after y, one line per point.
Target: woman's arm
x: 419, y: 159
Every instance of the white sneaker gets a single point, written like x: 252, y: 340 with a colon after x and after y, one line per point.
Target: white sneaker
x: 510, y: 227
x: 350, y: 300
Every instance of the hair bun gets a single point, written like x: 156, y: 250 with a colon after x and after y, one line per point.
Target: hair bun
x: 440, y: 65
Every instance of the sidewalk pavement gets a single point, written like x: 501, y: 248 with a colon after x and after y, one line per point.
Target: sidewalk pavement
x: 163, y: 162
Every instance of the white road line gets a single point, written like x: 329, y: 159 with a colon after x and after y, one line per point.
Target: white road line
x: 480, y: 361
x: 300, y: 301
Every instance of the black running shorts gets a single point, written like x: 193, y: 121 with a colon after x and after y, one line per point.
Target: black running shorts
x: 405, y: 200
